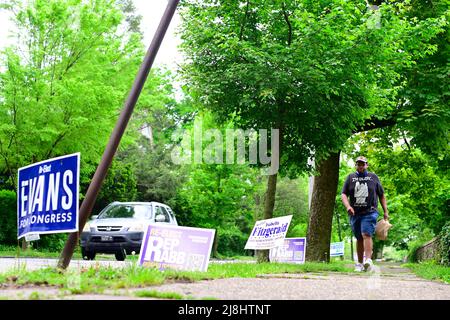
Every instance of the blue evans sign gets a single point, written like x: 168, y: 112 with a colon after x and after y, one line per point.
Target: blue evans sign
x: 47, y: 196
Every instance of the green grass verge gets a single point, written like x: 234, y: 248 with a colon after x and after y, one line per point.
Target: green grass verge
x: 97, y: 279
x: 430, y: 270
x: 159, y: 295
x: 14, y: 251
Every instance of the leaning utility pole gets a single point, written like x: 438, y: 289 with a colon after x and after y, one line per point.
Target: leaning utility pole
x: 116, y: 135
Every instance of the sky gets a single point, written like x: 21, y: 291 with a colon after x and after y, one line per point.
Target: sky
x: 151, y: 12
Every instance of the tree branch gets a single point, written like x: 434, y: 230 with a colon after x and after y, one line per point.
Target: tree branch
x: 58, y: 140
x: 79, y: 55
x: 374, y: 123
x: 244, y: 20
x: 406, y: 141
x: 286, y: 18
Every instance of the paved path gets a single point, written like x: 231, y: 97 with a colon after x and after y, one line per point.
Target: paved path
x: 7, y: 264
x: 331, y: 286
x: 387, y: 282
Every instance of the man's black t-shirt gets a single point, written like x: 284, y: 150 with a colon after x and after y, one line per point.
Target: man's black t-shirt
x: 364, y: 190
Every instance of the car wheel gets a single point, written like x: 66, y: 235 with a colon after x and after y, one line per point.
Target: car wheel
x: 87, y: 255
x: 121, y: 255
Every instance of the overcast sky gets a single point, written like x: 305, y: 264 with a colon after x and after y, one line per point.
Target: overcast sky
x: 151, y: 12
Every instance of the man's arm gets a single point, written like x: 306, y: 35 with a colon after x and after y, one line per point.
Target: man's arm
x: 380, y: 192
x: 384, y: 205
x: 347, y: 204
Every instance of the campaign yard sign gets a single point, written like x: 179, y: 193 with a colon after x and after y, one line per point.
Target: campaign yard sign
x: 47, y: 196
x: 269, y: 233
x: 173, y: 247
x: 291, y: 251
x: 336, y: 249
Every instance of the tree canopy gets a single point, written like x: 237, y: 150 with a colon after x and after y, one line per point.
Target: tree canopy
x: 65, y: 81
x: 338, y: 78
x: 316, y: 70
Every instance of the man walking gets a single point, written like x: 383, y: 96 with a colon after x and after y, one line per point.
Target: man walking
x: 364, y: 189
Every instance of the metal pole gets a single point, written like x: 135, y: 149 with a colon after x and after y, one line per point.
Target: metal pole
x: 339, y: 229
x: 116, y: 135
x: 351, y: 247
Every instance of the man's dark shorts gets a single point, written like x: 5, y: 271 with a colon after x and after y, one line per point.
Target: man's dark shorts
x: 364, y: 224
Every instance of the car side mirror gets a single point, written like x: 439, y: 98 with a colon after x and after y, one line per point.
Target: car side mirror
x: 160, y: 218
x: 95, y: 216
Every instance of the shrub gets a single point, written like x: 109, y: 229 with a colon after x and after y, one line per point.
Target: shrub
x: 51, y: 242
x: 412, y: 250
x: 8, y: 225
x: 231, y: 241
x: 119, y: 185
x: 299, y: 230
x: 8, y: 219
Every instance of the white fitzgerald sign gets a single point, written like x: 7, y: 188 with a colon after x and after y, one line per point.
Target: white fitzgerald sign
x: 269, y: 233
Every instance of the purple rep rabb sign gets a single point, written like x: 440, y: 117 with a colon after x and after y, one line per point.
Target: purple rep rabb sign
x: 292, y: 251
x: 172, y: 247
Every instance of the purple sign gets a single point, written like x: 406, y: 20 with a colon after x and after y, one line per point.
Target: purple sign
x: 292, y: 251
x: 173, y: 247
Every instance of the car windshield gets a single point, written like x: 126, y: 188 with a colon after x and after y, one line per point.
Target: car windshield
x: 126, y: 211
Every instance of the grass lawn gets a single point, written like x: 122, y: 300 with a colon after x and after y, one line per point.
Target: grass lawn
x: 97, y: 279
x: 430, y: 270
x: 16, y: 252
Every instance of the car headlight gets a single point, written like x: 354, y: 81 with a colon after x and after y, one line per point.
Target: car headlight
x: 87, y: 227
x: 137, y: 228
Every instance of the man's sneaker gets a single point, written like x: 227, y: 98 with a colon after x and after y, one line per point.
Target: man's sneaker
x: 359, y: 267
x: 368, y: 264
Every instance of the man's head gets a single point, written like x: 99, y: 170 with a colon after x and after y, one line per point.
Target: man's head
x: 361, y: 164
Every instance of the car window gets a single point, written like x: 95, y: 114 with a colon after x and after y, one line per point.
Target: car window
x: 168, y: 215
x: 126, y: 211
x: 161, y: 211
x: 172, y: 216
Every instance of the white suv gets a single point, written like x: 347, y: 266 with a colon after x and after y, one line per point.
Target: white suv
x: 119, y: 228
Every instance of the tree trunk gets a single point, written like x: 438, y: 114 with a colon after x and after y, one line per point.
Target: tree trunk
x: 269, y: 203
x: 322, y: 208
x: 378, y: 246
x: 339, y: 226
x: 215, y: 245
x: 338, y: 220
x: 257, y: 214
x: 24, y: 244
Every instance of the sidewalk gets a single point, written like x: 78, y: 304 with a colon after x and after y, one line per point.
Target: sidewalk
x: 388, y: 282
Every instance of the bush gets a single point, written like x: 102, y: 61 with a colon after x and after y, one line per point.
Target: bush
x: 231, y: 241
x: 8, y: 226
x: 51, y: 242
x: 412, y: 250
x: 443, y: 252
x: 444, y: 245
x: 391, y: 253
x: 298, y: 231
x: 119, y: 185
x: 8, y: 219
